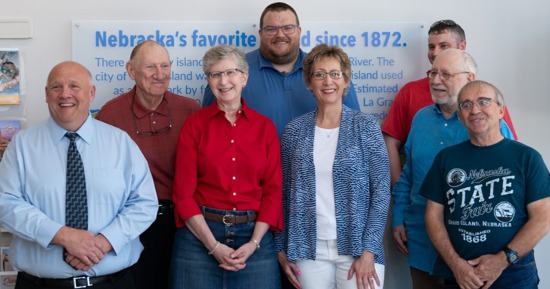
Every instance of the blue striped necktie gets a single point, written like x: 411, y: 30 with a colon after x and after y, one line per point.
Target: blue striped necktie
x: 76, y: 204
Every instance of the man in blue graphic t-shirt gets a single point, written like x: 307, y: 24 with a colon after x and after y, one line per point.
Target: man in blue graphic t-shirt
x: 488, y: 201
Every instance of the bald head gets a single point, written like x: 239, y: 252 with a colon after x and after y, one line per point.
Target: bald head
x: 143, y: 47
x: 69, y: 66
x: 454, y: 59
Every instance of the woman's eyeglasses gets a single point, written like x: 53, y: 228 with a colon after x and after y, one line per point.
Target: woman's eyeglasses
x: 216, y: 75
x: 320, y: 75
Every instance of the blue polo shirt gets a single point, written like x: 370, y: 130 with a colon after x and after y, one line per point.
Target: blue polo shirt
x: 279, y: 96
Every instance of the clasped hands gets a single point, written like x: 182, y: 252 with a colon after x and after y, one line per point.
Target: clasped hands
x: 481, y: 272
x: 233, y: 260
x: 84, y: 249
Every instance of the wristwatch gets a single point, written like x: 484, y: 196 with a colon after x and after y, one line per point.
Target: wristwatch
x: 511, y: 255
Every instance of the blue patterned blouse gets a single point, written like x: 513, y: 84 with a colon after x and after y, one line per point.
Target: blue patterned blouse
x: 361, y: 187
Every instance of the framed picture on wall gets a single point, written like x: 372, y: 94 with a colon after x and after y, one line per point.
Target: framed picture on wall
x: 5, y: 256
x: 9, y: 77
x: 8, y: 128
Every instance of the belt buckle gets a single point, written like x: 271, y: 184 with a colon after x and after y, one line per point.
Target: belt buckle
x: 75, y: 280
x: 227, y: 223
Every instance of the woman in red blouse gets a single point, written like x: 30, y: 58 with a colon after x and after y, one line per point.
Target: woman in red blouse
x: 227, y: 187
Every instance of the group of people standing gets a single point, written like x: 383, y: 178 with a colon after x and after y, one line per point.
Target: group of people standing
x: 279, y: 181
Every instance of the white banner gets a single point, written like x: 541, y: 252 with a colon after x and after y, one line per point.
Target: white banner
x: 384, y: 56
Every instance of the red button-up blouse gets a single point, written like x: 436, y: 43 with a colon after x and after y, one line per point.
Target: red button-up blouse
x: 228, y: 166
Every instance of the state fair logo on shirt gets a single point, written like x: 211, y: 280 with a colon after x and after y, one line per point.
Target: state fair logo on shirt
x: 456, y: 177
x: 504, y: 212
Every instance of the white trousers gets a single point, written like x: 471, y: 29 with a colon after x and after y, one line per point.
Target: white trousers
x: 330, y: 270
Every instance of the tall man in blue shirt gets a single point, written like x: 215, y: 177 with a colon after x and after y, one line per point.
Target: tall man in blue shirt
x: 276, y: 86
x: 119, y: 192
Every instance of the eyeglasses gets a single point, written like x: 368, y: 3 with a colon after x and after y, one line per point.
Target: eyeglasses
x: 320, y: 75
x: 481, y: 102
x: 446, y: 22
x: 444, y: 75
x: 6, y: 70
x: 156, y: 131
x: 215, y: 75
x: 287, y: 29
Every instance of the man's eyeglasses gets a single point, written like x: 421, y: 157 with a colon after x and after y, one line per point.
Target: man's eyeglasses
x: 446, y: 22
x: 444, y: 75
x: 287, y: 29
x: 481, y: 102
x: 156, y: 131
x: 334, y: 74
x: 215, y: 75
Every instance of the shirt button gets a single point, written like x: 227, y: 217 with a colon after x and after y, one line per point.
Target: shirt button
x: 232, y: 141
x: 441, y: 143
x: 154, y: 122
x: 240, y: 111
x: 445, y: 124
x: 234, y: 209
x: 234, y: 193
x: 233, y: 159
x: 234, y: 178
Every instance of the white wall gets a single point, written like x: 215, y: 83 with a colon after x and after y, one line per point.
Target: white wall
x: 510, y: 40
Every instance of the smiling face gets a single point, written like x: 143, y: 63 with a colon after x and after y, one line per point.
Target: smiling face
x: 328, y: 90
x: 69, y: 93
x: 280, y: 49
x: 445, y: 91
x: 482, y: 121
x: 150, y: 68
x: 227, y: 88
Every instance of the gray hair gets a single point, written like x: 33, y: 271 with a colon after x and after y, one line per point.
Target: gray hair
x: 469, y: 63
x: 217, y: 53
x: 476, y: 84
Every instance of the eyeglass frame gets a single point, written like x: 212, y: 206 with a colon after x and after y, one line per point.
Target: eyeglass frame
x: 443, y: 75
x: 149, y: 133
x: 487, y: 100
x: 334, y: 74
x: 281, y: 27
x: 7, y: 70
x: 215, y: 75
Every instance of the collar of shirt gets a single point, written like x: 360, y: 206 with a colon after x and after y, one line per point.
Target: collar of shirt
x: 213, y: 110
x: 85, y: 132
x: 438, y: 111
x: 140, y: 111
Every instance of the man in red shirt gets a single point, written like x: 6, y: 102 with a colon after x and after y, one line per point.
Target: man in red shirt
x: 153, y: 118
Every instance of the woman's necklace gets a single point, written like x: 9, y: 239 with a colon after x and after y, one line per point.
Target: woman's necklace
x: 328, y: 132
x: 329, y: 128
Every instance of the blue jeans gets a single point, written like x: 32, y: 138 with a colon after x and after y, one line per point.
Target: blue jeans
x: 522, y: 275
x: 193, y: 268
